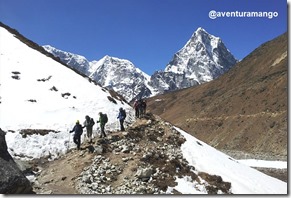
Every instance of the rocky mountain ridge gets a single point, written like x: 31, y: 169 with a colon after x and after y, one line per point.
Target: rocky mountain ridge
x: 202, y: 59
x: 113, y: 73
x: 74, y: 61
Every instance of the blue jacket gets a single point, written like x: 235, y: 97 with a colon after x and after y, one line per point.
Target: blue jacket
x: 121, y: 115
x: 78, y: 130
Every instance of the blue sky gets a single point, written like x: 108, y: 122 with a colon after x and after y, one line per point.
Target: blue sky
x: 146, y: 32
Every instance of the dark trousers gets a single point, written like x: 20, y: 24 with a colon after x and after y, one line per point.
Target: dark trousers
x: 121, y: 124
x: 137, y: 112
x: 102, y: 126
x: 141, y: 112
x: 77, y: 140
x: 89, y: 132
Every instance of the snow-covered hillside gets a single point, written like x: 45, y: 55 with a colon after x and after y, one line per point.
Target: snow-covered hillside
x: 244, y: 180
x: 40, y: 93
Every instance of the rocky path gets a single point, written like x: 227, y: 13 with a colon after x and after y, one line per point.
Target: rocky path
x: 145, y: 159
x: 260, y: 114
x: 58, y: 177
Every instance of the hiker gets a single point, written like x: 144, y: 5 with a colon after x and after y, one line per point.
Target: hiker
x: 89, y: 123
x: 103, y: 119
x: 143, y: 107
x: 136, y: 108
x: 78, y: 129
x: 121, y: 116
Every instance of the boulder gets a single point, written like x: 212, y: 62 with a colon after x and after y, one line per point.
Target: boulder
x: 144, y: 173
x: 12, y: 180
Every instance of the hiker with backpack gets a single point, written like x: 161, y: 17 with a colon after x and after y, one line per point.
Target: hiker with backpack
x: 103, y: 119
x: 143, y: 107
x: 78, y: 129
x: 89, y: 123
x: 136, y: 107
x: 121, y: 116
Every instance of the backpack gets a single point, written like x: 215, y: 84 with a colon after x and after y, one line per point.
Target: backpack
x: 143, y: 104
x: 123, y: 113
x: 105, y: 118
x: 78, y: 130
x: 92, y: 122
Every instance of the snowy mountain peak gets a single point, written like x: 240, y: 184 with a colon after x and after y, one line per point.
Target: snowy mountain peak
x: 114, y: 60
x: 54, y: 50
x: 105, y: 58
x: 75, y: 61
x: 202, y: 59
x: 200, y: 31
x: 120, y: 75
x: 201, y: 35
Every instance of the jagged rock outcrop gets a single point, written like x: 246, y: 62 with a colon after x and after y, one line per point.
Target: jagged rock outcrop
x: 169, y: 81
x: 12, y: 180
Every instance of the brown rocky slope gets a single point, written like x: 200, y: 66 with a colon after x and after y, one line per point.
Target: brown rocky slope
x: 145, y: 159
x: 244, y: 110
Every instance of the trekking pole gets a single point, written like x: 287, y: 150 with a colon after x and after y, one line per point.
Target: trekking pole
x: 97, y: 132
x: 69, y: 140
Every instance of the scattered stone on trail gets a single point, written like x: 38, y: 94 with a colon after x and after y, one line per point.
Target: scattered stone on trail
x: 146, y: 159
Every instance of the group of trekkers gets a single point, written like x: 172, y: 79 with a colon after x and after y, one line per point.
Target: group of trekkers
x: 140, y: 108
x: 89, y: 123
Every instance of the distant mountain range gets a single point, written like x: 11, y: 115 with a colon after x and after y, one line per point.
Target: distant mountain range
x: 202, y: 59
x: 118, y: 74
